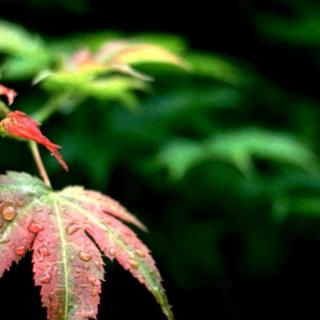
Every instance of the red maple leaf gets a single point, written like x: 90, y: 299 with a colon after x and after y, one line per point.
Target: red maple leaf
x: 69, y: 232
x: 17, y: 124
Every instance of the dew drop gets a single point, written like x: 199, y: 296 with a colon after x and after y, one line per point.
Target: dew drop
x: 45, y: 279
x: 133, y: 263
x: 112, y: 252
x: 20, y: 251
x: 9, y: 213
x: 35, y: 227
x: 84, y: 256
x: 72, y: 228
x: 140, y: 253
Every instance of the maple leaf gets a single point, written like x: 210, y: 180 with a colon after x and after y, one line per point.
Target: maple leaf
x: 17, y: 124
x: 67, y: 231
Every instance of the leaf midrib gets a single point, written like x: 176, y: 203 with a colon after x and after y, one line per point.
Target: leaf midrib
x: 160, y: 297
x: 64, y: 255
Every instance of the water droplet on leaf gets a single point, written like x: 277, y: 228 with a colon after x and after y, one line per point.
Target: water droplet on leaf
x: 84, y: 256
x: 8, y: 213
x: 112, y: 252
x: 72, y: 229
x: 133, y: 263
x: 140, y: 253
x: 45, y: 279
x: 35, y: 227
x: 20, y: 251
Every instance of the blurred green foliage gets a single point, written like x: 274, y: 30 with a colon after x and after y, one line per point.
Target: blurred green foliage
x: 202, y: 154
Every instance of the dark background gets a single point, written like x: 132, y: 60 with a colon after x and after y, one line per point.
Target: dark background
x: 220, y: 254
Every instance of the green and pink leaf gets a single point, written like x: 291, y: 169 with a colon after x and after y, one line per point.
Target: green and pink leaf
x: 66, y: 231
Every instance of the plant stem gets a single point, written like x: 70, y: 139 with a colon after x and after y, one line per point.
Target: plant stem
x: 38, y: 160
x: 42, y: 115
x: 4, y: 110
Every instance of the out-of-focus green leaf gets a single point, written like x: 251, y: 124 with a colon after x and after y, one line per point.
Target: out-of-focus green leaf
x: 20, y: 68
x: 162, y: 115
x: 27, y: 54
x: 238, y: 148
x: 91, y: 74
x: 69, y: 79
x: 93, y: 41
x: 16, y: 41
x: 127, y: 53
x: 180, y: 156
x: 113, y: 88
x: 219, y: 68
x: 171, y: 42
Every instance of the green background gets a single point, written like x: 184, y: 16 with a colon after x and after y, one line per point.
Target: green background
x: 221, y: 162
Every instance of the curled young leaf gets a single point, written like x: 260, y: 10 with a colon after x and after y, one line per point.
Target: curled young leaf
x: 67, y: 231
x: 18, y: 125
x: 9, y: 93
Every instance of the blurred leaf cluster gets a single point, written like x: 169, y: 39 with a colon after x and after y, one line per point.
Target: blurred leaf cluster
x: 209, y: 152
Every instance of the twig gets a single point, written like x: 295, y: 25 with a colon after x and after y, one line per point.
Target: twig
x: 38, y: 160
